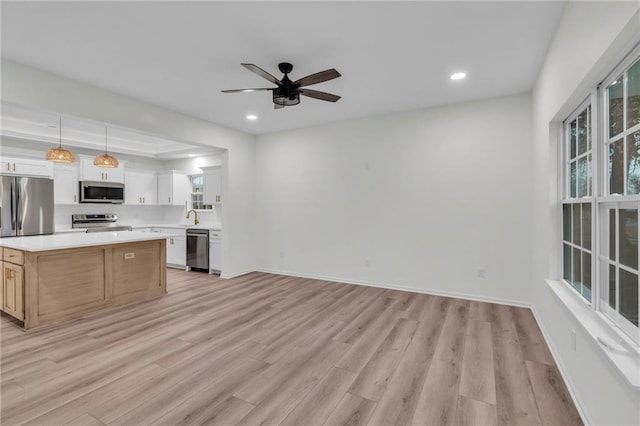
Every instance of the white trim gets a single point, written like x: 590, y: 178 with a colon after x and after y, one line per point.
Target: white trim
x: 563, y: 371
x: 623, y: 353
x: 465, y: 296
x: 237, y: 274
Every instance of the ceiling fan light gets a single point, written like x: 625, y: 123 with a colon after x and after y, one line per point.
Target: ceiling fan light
x: 285, y: 99
x: 60, y: 155
x: 105, y: 160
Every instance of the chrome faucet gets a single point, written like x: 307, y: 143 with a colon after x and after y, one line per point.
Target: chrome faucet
x: 196, y: 213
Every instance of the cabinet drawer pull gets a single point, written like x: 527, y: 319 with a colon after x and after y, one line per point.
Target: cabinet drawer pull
x: 75, y: 198
x: 8, y: 166
x: 14, y: 167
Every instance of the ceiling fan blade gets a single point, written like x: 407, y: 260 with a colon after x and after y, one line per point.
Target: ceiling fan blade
x: 318, y: 77
x: 277, y: 106
x: 246, y: 90
x: 262, y: 73
x: 324, y: 96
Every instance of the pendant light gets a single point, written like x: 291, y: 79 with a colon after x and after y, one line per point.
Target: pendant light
x: 105, y: 160
x: 59, y: 154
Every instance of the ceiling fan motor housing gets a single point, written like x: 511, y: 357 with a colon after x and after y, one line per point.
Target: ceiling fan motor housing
x: 285, y: 67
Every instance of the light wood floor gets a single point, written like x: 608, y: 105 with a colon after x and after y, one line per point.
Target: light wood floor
x: 269, y: 349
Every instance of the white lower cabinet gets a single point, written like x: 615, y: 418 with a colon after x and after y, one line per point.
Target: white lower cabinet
x: 176, y: 246
x: 215, y: 251
x: 177, y: 251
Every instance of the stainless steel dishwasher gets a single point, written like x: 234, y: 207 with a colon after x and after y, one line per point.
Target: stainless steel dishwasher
x: 198, y: 249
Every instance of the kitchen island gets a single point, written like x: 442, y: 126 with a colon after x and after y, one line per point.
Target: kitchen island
x: 53, y: 278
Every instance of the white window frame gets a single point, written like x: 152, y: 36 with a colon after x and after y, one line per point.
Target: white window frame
x: 191, y: 193
x: 599, y: 198
x: 565, y: 158
x: 613, y: 314
x: 604, y: 95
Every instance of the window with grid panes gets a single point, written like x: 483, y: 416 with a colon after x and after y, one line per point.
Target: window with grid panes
x: 619, y: 272
x: 600, y: 210
x: 576, y: 213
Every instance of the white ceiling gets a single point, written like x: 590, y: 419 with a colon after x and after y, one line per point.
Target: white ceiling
x: 393, y: 56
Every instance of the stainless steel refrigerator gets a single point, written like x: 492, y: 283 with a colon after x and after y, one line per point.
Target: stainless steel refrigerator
x: 26, y: 205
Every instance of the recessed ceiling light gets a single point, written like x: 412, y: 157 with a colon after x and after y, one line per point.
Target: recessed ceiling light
x: 191, y: 155
x: 458, y: 76
x: 252, y: 117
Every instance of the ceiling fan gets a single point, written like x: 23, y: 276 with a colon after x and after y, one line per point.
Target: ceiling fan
x: 287, y: 92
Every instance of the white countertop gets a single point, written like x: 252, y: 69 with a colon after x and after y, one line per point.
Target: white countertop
x: 74, y: 240
x: 63, y: 230
x: 181, y: 226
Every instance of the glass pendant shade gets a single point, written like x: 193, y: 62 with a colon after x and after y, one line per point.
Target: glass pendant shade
x: 105, y: 160
x: 59, y: 154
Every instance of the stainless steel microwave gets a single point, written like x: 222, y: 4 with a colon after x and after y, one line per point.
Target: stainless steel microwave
x: 101, y: 192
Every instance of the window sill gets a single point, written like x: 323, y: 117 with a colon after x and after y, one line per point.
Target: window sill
x: 620, y: 350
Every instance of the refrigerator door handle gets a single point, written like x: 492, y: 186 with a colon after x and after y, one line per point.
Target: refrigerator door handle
x: 18, y: 213
x: 13, y: 206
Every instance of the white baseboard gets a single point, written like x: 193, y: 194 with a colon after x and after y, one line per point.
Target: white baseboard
x: 237, y: 274
x: 563, y: 372
x: 465, y: 296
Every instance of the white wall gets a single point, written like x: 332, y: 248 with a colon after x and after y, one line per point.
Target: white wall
x: 591, y: 40
x: 192, y: 166
x: 427, y: 197
x: 37, y: 89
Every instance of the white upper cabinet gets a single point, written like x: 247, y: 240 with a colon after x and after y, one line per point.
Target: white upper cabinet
x: 26, y: 167
x: 101, y: 174
x: 173, y: 188
x: 212, y: 184
x: 140, y: 188
x: 65, y: 183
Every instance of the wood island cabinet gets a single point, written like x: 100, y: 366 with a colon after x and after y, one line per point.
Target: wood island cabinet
x: 2, y: 285
x: 45, y: 287
x: 14, y: 290
x: 13, y: 283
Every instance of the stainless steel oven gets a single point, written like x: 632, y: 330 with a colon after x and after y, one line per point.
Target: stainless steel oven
x: 198, y: 249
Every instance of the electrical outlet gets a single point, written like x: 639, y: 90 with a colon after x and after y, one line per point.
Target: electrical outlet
x: 281, y: 255
x: 366, y: 263
x: 482, y: 273
x: 573, y: 340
